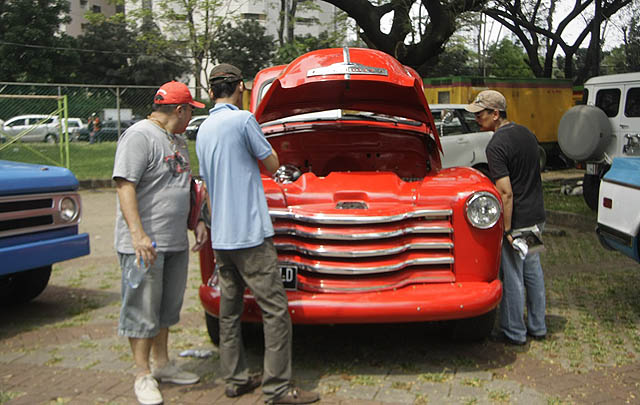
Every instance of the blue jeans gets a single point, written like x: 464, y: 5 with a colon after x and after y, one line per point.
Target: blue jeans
x: 519, y: 277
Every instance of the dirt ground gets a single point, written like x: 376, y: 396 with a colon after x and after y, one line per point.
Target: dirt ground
x: 62, y: 348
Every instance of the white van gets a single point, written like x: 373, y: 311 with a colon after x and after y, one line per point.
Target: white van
x: 606, y: 127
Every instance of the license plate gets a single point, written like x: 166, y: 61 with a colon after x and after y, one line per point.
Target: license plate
x: 289, y: 276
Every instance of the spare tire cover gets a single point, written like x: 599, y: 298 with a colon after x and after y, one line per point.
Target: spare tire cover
x: 584, y: 133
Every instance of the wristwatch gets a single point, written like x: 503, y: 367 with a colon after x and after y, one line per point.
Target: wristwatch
x: 508, y: 233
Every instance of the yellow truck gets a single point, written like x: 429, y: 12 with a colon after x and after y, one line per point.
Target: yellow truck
x: 535, y: 103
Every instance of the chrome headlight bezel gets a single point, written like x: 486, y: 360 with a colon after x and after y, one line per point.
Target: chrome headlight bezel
x: 69, y: 209
x: 483, y: 210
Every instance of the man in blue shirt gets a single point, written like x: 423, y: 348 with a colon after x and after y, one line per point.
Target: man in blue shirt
x: 229, y: 144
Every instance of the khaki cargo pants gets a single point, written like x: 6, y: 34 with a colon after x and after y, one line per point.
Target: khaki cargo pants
x: 257, y: 269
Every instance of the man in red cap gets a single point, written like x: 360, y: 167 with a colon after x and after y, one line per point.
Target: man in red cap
x: 153, y: 178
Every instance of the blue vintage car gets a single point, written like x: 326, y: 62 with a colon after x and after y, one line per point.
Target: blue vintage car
x: 40, y: 209
x: 619, y: 207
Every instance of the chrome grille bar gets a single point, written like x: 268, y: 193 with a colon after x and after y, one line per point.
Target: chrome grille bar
x: 338, y: 219
x: 343, y: 270
x: 327, y: 251
x: 319, y: 233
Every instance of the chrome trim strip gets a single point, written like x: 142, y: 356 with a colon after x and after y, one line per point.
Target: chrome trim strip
x: 402, y: 283
x: 318, y: 268
x: 322, y: 234
x: 53, y: 211
x: 357, y: 219
x: 326, y: 251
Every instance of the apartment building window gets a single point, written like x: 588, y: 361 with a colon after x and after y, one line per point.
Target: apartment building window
x: 96, y: 9
x: 83, y: 3
x: 254, y: 16
x: 307, y: 20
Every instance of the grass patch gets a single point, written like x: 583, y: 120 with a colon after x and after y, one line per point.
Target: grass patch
x: 6, y: 396
x: 87, y: 161
x: 592, y: 305
x: 440, y: 377
x: 556, y: 201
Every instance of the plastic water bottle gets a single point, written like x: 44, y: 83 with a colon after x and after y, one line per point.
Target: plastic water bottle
x: 135, y: 275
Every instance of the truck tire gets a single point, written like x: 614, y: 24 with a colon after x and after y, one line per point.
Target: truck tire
x: 584, y: 132
x: 22, y: 287
x: 591, y: 190
x: 543, y: 157
x: 472, y: 329
x: 213, y: 328
x: 51, y: 138
x: 251, y: 332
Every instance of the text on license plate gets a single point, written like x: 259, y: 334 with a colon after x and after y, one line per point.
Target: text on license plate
x: 289, y: 276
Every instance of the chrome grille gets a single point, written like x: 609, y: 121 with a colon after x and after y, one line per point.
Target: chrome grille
x: 414, y: 245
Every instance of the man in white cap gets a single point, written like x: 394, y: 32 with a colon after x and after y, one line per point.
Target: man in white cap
x: 514, y: 165
x: 153, y: 178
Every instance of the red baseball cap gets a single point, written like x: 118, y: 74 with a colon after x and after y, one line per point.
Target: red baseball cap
x: 175, y: 93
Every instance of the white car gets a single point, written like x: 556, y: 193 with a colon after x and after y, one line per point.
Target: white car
x: 194, y: 125
x: 463, y: 143
x: 75, y: 124
x: 33, y: 128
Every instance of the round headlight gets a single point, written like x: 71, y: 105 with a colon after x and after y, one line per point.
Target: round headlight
x: 68, y: 209
x: 483, y: 210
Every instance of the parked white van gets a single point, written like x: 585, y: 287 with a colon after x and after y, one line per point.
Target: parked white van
x: 606, y: 127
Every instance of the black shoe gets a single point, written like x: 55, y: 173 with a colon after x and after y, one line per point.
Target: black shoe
x: 537, y: 337
x: 236, y: 390
x: 502, y: 338
x: 294, y: 395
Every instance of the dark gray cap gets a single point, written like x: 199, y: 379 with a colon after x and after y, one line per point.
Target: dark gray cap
x: 225, y: 72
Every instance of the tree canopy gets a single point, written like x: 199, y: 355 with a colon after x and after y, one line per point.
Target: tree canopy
x: 32, y: 48
x: 245, y: 45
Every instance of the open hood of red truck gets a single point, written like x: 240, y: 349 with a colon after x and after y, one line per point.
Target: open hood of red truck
x: 349, y: 78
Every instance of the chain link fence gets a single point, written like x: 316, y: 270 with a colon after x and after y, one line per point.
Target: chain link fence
x: 34, y: 127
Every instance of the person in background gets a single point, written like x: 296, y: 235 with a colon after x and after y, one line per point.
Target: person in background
x: 94, y: 127
x: 514, y: 164
x: 229, y: 142
x: 153, y: 178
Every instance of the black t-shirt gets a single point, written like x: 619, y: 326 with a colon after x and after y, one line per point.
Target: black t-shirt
x: 513, y: 152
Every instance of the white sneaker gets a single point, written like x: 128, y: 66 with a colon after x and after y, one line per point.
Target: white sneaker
x: 174, y: 374
x: 146, y: 389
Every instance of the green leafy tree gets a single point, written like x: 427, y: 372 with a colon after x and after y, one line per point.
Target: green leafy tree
x: 454, y: 61
x: 109, y: 45
x: 31, y: 47
x: 245, y: 45
x: 632, y: 46
x: 506, y: 59
x: 304, y: 44
x: 119, y: 53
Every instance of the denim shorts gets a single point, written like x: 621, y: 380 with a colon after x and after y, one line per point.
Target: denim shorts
x: 155, y: 304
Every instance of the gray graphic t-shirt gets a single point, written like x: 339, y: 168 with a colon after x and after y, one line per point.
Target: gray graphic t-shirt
x: 158, y: 164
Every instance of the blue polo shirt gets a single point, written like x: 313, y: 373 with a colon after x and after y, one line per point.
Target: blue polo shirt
x: 229, y: 144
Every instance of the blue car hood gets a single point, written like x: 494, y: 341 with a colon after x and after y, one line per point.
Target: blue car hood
x: 24, y: 178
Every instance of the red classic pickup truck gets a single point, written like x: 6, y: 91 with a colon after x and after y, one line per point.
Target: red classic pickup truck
x: 369, y: 227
